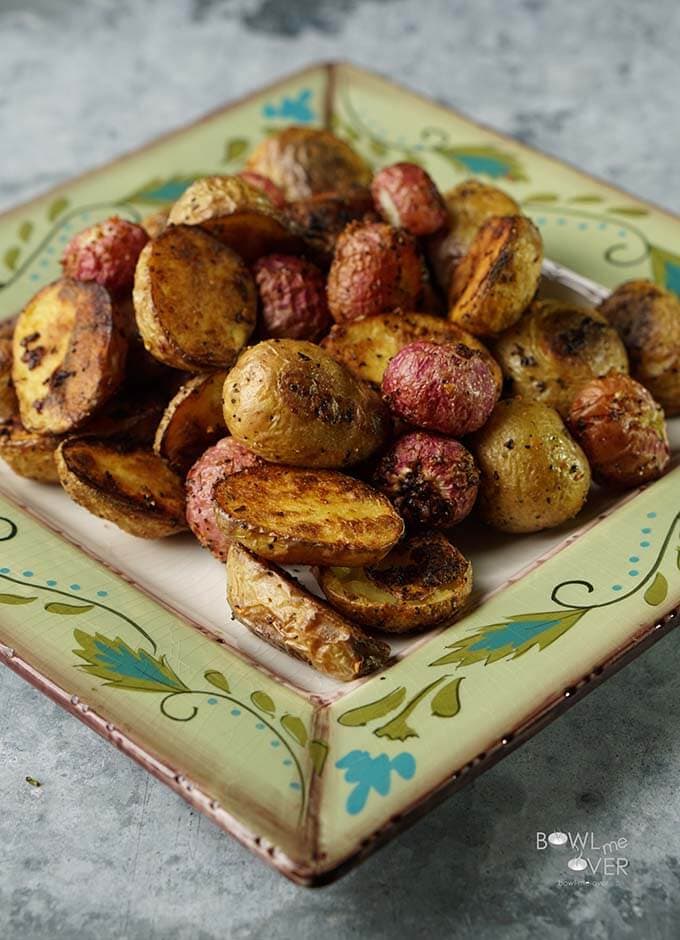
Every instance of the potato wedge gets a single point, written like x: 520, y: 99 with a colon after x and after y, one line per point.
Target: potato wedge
x: 496, y: 280
x: 421, y: 582
x: 237, y: 214
x: 8, y: 398
x: 123, y: 483
x: 290, y: 402
x: 29, y: 454
x: 195, y: 300
x: 192, y: 422
x: 68, y: 355
x: 366, y: 346
x: 279, y: 611
x: 308, y: 517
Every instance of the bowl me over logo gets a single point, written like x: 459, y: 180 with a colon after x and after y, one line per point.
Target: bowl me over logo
x: 592, y: 857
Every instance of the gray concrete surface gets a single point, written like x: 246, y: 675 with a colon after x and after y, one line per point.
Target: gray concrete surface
x: 103, y: 851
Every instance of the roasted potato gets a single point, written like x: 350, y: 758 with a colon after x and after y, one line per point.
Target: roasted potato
x: 307, y: 160
x: 273, y: 192
x: 106, y: 253
x: 447, y: 388
x: 533, y: 474
x: 469, y: 205
x: 431, y: 480
x: 375, y: 269
x: 366, y: 346
x: 496, y: 280
x: 290, y: 402
x: 195, y: 300
x: 237, y: 214
x: 155, y: 223
x: 422, y: 581
x: 226, y: 457
x: 320, y: 219
x: 307, y: 517
x: 191, y: 422
x: 8, y: 398
x: 621, y: 429
x: 68, y: 355
x: 123, y: 483
x: 554, y: 349
x: 279, y: 611
x: 292, y: 294
x: 406, y: 197
x: 648, y: 320
x: 29, y: 454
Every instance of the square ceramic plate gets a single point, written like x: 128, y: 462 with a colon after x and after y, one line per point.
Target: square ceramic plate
x: 135, y: 637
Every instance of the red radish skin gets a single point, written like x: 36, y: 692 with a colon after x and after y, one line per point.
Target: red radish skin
x: 292, y: 298
x: 106, y: 253
x: 406, y: 196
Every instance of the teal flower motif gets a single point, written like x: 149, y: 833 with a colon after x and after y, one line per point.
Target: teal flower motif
x: 484, y: 161
x: 296, y: 109
x: 159, y: 191
x: 372, y: 773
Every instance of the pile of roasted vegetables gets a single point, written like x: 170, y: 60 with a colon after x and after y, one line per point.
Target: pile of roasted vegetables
x: 309, y: 364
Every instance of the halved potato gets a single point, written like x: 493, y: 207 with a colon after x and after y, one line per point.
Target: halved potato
x: 494, y: 283
x: 422, y: 581
x: 237, y: 214
x: 68, y: 355
x: 283, y: 614
x: 29, y: 454
x: 195, y: 300
x: 366, y: 346
x: 308, y: 517
x: 8, y: 398
x: 192, y: 421
x: 123, y: 483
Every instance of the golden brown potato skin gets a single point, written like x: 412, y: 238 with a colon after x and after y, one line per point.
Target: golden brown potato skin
x: 303, y: 161
x: 648, y: 320
x: 533, y: 474
x: 366, y: 346
x: 622, y: 430
x: 422, y: 581
x: 195, y: 300
x: 320, y: 219
x: 237, y: 214
x: 68, y: 355
x: 496, y: 280
x: 469, y: 205
x: 554, y: 349
x: 306, y: 517
x: 125, y: 484
x: 290, y: 402
x: 286, y: 616
x: 192, y: 421
x: 29, y: 454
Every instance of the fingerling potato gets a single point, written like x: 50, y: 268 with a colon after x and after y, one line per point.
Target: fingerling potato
x: 195, y: 300
x: 280, y: 612
x: 237, y: 214
x: 496, y: 280
x: 307, y: 517
x: 533, y: 473
x: 191, y: 422
x: 123, y: 483
x: 29, y: 454
x: 421, y: 582
x: 366, y: 346
x: 290, y: 402
x: 68, y: 355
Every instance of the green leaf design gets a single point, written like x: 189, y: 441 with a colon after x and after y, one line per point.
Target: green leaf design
x: 377, y: 148
x: 587, y: 199
x: 56, y: 207
x: 16, y: 599
x: 67, y: 609
x: 398, y: 729
x: 657, y: 590
x: 358, y: 717
x: 318, y: 752
x: 25, y: 230
x: 542, y: 197
x: 295, y: 728
x: 11, y: 257
x: 446, y: 703
x: 160, y: 191
x: 216, y: 678
x: 235, y: 148
x: 632, y: 212
x: 264, y: 702
x: 121, y: 666
x: 484, y: 161
x: 677, y: 558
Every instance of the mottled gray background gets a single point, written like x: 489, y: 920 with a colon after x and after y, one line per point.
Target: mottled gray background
x: 101, y: 850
